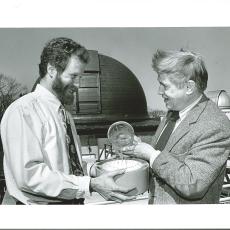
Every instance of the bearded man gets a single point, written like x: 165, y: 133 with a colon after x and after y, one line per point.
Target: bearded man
x: 42, y: 158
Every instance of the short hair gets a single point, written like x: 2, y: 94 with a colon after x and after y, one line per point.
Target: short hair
x: 184, y: 65
x: 57, y: 53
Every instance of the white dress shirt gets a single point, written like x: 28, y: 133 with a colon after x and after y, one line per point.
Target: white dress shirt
x: 182, y: 114
x: 36, y: 164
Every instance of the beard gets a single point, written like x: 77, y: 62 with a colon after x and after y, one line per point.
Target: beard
x: 65, y: 92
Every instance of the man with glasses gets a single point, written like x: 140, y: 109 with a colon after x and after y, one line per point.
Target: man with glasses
x: 42, y: 159
x: 190, y: 148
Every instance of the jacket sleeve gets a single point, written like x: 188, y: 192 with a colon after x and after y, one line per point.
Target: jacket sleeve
x: 24, y: 158
x: 192, y: 173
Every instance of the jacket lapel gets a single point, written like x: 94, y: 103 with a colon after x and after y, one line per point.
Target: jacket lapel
x: 158, y: 131
x: 178, y: 134
x: 184, y: 126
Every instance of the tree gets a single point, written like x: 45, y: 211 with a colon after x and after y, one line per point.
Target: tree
x: 10, y: 90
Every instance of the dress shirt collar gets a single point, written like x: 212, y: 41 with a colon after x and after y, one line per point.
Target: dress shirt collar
x: 185, y: 111
x: 49, y: 97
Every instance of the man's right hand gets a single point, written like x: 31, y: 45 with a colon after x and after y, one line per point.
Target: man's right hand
x: 108, y: 189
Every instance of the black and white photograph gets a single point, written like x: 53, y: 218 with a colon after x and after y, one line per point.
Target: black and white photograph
x: 121, y: 120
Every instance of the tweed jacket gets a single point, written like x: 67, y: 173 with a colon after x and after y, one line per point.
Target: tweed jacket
x: 191, y: 167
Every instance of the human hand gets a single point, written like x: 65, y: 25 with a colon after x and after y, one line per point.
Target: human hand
x: 129, y: 148
x: 140, y: 150
x: 108, y: 189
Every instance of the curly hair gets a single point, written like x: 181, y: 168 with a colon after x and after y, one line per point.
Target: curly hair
x: 181, y: 66
x: 57, y: 53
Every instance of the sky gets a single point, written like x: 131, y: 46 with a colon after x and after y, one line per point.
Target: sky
x: 133, y: 46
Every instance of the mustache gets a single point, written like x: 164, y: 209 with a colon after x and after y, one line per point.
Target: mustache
x: 68, y: 87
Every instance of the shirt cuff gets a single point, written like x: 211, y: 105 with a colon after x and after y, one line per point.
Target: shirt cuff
x: 153, y: 157
x: 83, y: 186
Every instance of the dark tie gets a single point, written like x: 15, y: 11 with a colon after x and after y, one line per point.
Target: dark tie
x: 172, y: 117
x: 76, y: 167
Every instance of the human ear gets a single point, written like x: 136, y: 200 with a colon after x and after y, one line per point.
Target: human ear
x: 190, y: 87
x: 51, y: 70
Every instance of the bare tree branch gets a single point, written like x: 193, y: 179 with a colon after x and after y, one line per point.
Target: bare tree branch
x: 10, y: 90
